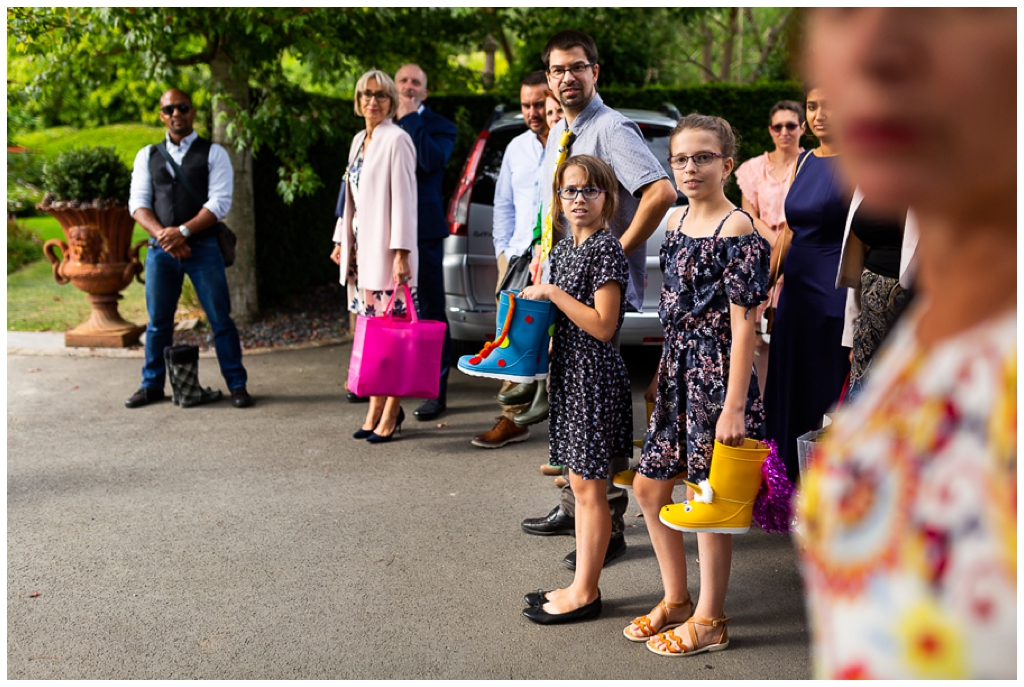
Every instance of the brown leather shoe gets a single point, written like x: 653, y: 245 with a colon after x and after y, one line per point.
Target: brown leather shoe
x: 504, y: 432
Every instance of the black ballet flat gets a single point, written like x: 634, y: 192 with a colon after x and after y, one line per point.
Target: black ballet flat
x: 538, y: 615
x: 537, y: 598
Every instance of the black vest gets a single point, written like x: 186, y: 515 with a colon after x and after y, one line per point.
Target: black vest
x: 173, y: 205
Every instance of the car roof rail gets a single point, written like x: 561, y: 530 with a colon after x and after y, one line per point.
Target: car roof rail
x: 499, y: 111
x: 670, y: 110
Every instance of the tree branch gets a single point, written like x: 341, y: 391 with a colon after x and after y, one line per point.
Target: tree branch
x: 773, y: 37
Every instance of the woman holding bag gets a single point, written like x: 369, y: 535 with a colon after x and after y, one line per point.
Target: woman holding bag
x: 375, y: 238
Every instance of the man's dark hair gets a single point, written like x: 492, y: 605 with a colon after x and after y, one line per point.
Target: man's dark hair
x: 567, y: 40
x: 537, y: 78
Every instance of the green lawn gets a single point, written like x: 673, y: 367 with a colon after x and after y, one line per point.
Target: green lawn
x: 128, y: 139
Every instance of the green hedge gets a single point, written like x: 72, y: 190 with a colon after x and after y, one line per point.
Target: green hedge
x: 293, y: 242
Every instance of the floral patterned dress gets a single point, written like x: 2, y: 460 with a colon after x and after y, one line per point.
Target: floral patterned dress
x: 366, y: 302
x: 701, y: 277
x: 590, y: 416
x: 909, y: 515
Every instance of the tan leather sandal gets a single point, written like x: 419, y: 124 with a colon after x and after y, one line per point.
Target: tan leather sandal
x: 647, y: 627
x: 671, y: 639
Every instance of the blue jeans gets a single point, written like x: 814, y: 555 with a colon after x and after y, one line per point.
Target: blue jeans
x: 164, y: 276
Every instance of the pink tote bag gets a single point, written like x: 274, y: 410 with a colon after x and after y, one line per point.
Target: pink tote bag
x: 396, y: 357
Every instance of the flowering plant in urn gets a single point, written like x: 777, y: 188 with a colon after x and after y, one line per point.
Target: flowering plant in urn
x: 87, y: 191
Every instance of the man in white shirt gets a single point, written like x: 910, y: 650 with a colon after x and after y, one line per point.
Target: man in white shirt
x: 180, y: 206
x: 516, y: 210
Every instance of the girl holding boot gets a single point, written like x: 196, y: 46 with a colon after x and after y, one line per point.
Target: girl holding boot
x: 590, y: 417
x: 715, y: 269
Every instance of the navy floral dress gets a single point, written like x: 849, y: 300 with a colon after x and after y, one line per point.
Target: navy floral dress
x: 701, y: 277
x: 590, y: 415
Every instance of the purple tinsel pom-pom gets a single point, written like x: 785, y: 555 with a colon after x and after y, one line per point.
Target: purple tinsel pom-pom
x: 773, y: 508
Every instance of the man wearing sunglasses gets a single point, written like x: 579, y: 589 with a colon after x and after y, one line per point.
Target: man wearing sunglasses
x: 434, y: 138
x: 180, y: 214
x: 644, y: 196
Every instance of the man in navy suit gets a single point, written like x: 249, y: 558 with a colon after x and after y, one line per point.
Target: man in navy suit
x: 434, y: 137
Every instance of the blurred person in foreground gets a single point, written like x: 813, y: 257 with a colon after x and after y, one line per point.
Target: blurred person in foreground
x: 908, y: 534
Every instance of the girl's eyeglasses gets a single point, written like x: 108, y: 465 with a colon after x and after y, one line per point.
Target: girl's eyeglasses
x: 699, y: 159
x: 589, y: 192
x: 789, y: 126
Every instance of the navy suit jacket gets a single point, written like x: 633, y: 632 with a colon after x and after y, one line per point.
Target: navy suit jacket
x: 434, y: 138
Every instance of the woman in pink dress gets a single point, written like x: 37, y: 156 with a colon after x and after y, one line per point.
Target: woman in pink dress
x: 764, y: 182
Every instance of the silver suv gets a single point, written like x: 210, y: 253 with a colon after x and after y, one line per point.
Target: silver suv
x: 470, y: 268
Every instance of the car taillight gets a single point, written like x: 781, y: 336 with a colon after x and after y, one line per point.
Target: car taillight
x: 458, y: 208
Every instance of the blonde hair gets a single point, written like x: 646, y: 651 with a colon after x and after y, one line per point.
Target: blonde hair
x: 384, y: 82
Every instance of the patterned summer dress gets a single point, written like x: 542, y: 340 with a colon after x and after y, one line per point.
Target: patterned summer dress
x: 908, y: 514
x: 366, y: 302
x: 701, y: 277
x: 590, y: 417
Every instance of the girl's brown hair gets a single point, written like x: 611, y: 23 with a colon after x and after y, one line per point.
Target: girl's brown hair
x: 598, y: 173
x: 716, y: 126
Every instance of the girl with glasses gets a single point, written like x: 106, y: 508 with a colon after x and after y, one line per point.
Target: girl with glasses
x: 591, y: 410
x: 764, y: 181
x: 715, y: 271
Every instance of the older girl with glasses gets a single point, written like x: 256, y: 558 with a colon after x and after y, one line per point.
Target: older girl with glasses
x: 375, y: 238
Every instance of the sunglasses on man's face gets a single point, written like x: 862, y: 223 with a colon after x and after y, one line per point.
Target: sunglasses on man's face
x: 183, y: 108
x: 789, y: 126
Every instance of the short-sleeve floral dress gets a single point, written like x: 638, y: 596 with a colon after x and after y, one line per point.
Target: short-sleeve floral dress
x: 590, y: 416
x: 700, y: 278
x: 364, y: 301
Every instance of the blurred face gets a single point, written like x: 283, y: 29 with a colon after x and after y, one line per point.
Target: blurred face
x: 819, y: 113
x: 412, y: 83
x: 917, y: 94
x: 552, y: 111
x: 574, y: 91
x: 375, y: 103
x: 531, y: 102
x: 178, y: 123
x: 786, y: 129
x: 699, y: 181
x: 582, y: 214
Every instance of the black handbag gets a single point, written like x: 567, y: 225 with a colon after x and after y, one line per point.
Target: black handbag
x: 517, y: 276
x: 226, y: 239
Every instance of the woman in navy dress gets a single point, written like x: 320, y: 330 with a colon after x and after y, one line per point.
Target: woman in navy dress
x: 808, y: 361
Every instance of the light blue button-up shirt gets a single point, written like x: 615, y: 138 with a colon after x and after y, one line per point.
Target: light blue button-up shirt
x: 517, y: 195
x: 222, y: 177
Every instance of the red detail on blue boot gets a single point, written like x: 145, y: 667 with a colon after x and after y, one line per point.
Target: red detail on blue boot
x: 501, y: 363
x: 529, y: 319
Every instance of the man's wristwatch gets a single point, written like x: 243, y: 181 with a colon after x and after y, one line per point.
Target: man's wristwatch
x: 184, y: 231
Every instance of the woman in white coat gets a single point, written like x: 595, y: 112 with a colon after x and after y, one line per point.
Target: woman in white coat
x: 375, y: 238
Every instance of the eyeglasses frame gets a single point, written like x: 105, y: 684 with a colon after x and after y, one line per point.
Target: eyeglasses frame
x: 674, y: 163
x: 581, y: 191
x: 577, y: 68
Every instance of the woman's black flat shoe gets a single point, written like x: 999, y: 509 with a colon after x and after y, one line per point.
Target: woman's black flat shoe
x: 538, y: 615
x: 537, y: 598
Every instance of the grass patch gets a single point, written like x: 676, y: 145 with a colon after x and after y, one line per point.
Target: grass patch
x: 127, y: 139
x: 47, y: 227
x: 23, y: 246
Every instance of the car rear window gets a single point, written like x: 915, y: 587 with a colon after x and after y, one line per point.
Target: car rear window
x: 490, y: 164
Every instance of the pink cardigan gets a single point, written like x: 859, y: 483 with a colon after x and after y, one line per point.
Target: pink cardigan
x: 386, y: 203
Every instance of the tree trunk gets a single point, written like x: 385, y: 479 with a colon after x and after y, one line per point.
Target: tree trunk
x: 707, y: 73
x: 242, y: 217
x: 727, y: 45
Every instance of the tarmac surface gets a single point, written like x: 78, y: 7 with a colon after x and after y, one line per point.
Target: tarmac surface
x: 219, y: 543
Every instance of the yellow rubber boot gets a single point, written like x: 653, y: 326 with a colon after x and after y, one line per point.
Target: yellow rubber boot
x: 724, y: 503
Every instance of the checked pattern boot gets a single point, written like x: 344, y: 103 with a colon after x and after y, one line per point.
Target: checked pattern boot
x: 183, y: 371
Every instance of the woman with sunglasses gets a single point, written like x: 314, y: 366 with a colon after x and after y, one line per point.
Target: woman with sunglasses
x: 764, y: 181
x: 809, y: 364
x: 375, y: 238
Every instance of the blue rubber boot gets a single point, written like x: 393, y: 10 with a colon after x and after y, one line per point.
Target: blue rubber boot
x: 516, y: 352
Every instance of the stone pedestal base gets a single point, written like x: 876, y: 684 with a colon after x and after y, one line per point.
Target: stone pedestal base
x: 105, y: 327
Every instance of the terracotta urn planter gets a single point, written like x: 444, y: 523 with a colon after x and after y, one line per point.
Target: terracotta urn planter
x: 97, y: 258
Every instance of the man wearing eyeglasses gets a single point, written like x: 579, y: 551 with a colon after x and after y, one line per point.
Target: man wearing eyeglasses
x: 434, y: 138
x: 644, y: 196
x: 181, y: 223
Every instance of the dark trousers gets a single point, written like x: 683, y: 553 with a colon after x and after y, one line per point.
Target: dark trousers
x: 618, y: 499
x: 430, y: 300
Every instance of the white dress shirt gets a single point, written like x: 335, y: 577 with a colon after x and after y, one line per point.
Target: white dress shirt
x: 517, y: 195
x: 222, y: 178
